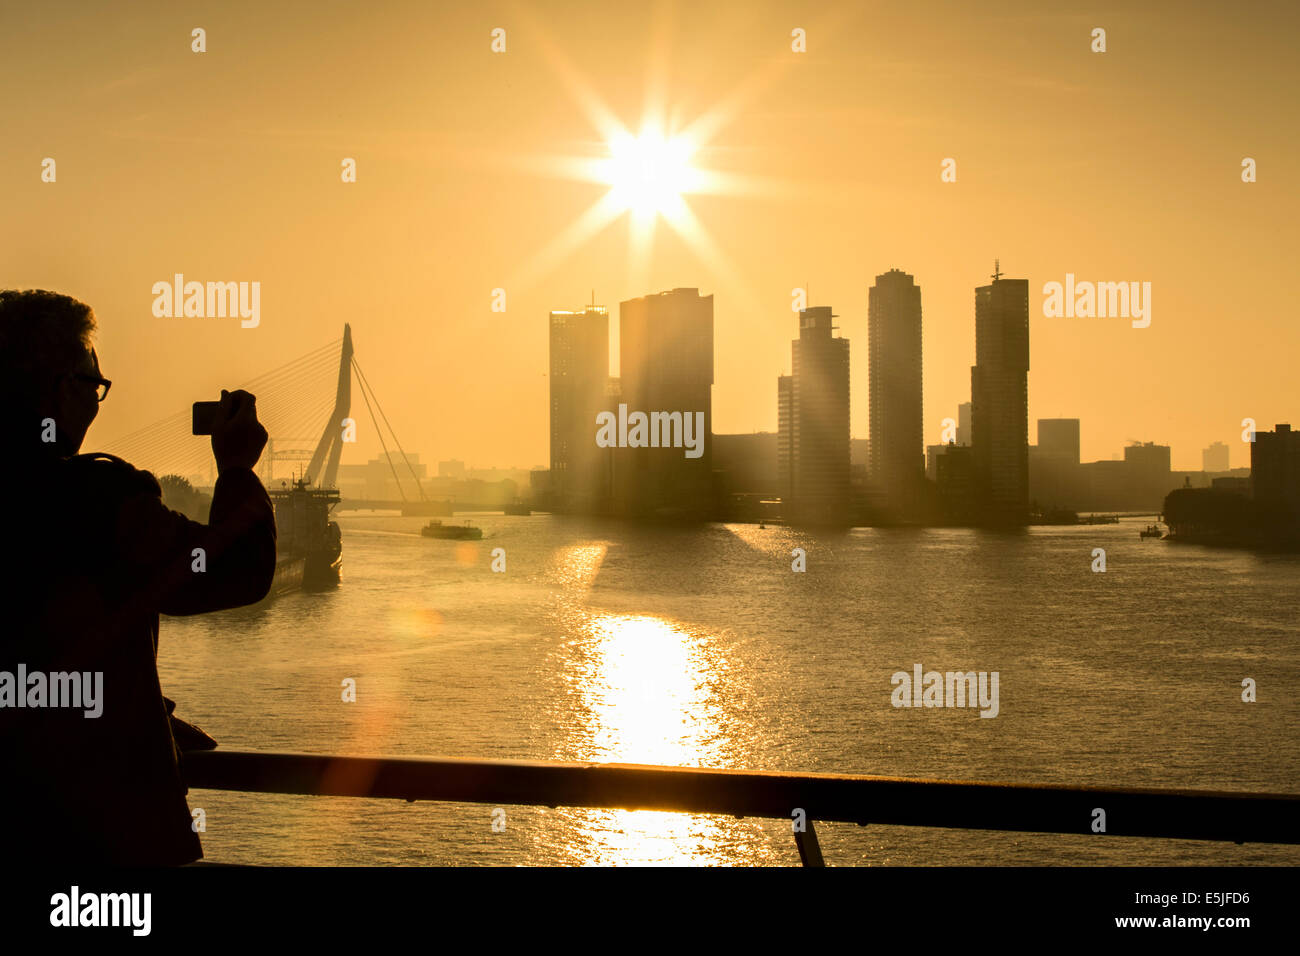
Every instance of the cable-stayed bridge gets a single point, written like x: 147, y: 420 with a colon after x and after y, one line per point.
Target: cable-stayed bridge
x: 308, y: 423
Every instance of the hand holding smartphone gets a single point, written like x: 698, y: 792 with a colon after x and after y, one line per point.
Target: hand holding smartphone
x: 237, y: 436
x: 204, y: 417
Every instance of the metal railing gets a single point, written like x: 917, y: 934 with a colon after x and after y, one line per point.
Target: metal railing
x: 848, y: 798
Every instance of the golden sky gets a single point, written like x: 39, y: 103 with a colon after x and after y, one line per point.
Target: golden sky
x: 225, y: 166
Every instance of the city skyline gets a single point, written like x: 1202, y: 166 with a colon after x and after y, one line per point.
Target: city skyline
x: 592, y: 334
x: 454, y: 199
x: 1186, y: 457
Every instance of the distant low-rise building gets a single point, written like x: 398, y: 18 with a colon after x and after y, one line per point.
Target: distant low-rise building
x: 375, y: 480
x: 1215, y: 458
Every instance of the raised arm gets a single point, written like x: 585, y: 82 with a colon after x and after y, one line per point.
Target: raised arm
x: 178, y: 566
x: 181, y: 567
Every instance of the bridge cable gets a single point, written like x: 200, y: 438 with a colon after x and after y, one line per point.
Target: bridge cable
x: 380, y: 433
x: 366, y: 382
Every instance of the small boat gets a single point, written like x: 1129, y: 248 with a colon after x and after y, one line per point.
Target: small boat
x: 457, y: 532
x: 517, y: 507
x: 1152, y: 531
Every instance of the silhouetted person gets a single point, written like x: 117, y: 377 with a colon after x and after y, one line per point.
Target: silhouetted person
x: 96, y: 556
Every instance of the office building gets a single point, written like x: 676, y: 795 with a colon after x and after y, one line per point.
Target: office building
x: 894, y: 367
x: 579, y: 381
x: 1000, y: 399
x: 818, y: 419
x: 963, y: 423
x: 1058, y: 438
x: 666, y: 367
x: 785, y: 436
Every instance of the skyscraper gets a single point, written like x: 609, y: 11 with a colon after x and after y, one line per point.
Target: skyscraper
x: 1000, y: 399
x: 1058, y: 438
x: 897, y: 465
x: 785, y: 435
x: 666, y: 366
x: 819, y: 421
x: 579, y: 379
x: 1148, y: 473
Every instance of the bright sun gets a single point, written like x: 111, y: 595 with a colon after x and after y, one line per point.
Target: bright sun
x: 648, y: 173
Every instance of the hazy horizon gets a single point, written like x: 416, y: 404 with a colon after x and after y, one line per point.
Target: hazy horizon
x: 225, y: 166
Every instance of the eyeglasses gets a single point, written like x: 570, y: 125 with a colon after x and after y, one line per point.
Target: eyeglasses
x: 102, y: 385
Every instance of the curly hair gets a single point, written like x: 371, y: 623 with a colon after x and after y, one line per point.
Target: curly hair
x: 42, y: 337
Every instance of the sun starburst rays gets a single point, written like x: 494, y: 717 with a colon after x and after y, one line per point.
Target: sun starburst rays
x: 649, y: 171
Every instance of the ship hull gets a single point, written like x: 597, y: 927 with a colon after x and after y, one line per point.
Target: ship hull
x: 321, y: 573
x: 288, y: 575
x: 299, y: 572
x: 309, y: 546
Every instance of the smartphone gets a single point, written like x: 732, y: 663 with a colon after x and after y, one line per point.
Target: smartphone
x: 205, y: 417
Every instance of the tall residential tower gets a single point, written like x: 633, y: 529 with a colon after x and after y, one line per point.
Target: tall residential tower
x: 813, y: 416
x: 1000, y: 400
x: 666, y: 366
x: 897, y: 466
x: 579, y: 379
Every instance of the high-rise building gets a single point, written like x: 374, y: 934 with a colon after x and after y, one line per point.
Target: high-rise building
x: 1148, y: 461
x: 1058, y: 438
x: 746, y: 464
x: 785, y: 435
x: 932, y: 455
x: 1215, y: 458
x: 1056, y: 478
x: 961, y: 440
x: 666, y: 367
x: 1149, y: 477
x: 955, y: 478
x: 579, y: 380
x: 859, y: 455
x: 819, y: 421
x: 897, y: 465
x: 1000, y: 399
x: 963, y: 423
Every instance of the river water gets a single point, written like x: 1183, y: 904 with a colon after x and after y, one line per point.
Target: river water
x: 614, y: 642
